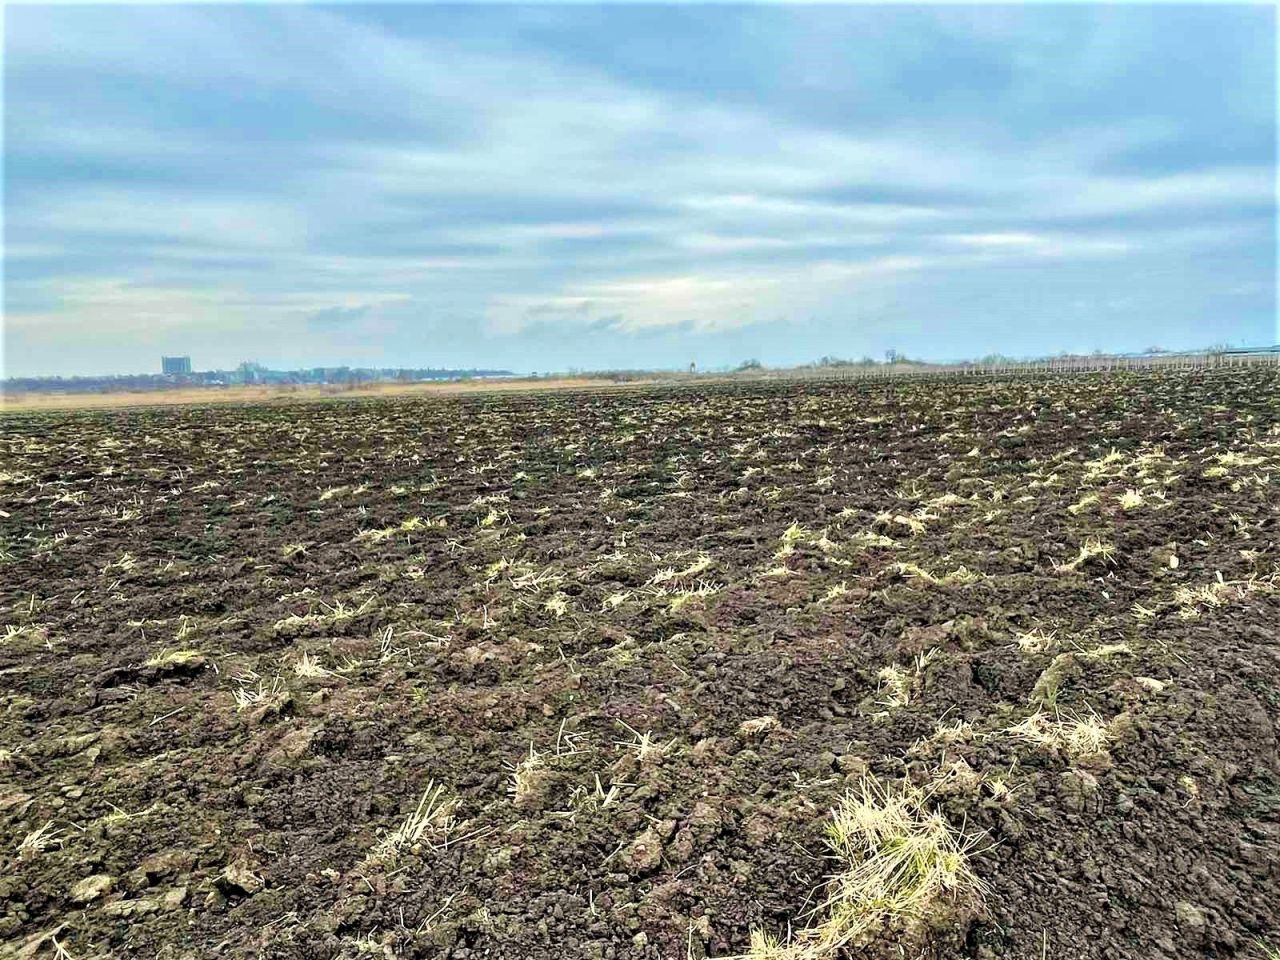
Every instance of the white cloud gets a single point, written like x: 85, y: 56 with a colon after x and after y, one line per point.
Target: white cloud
x: 700, y: 301
x: 228, y: 223
x: 525, y: 188
x: 996, y: 239
x: 117, y: 305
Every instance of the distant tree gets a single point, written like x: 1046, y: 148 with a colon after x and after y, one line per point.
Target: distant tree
x: 751, y: 364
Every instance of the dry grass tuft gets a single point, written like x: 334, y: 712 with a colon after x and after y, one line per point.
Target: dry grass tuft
x: 308, y: 667
x: 944, y: 735
x: 902, y: 864
x: 39, y: 840
x: 902, y: 869
x: 1091, y: 549
x: 758, y: 726
x: 644, y: 746
x: 900, y: 682
x: 172, y: 658
x: 667, y: 574
x: 523, y: 785
x: 33, y: 631
x: 866, y: 538
x: 834, y: 592
x: 1074, y: 735
x: 252, y: 690
x: 1192, y: 601
x: 1036, y: 641
x: 765, y: 946
x: 960, y: 576
x: 1129, y: 500
x: 1084, y: 503
x: 429, y: 825
x: 557, y: 604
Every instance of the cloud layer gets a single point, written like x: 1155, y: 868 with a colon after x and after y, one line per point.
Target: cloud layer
x: 545, y: 187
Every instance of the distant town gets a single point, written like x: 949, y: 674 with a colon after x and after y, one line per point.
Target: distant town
x: 178, y: 372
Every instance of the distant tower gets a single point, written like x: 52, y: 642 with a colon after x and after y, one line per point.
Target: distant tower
x: 175, y: 366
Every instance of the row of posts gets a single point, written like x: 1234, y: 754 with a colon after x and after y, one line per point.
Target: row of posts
x: 1173, y: 361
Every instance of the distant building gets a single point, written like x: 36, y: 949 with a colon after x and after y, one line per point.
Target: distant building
x: 175, y: 366
x: 250, y: 372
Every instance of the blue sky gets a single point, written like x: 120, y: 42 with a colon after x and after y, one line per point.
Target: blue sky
x: 545, y: 187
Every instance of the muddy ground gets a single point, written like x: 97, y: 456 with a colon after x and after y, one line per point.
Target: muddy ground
x: 240, y: 643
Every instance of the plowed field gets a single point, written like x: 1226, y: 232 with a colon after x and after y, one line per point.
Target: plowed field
x: 927, y: 668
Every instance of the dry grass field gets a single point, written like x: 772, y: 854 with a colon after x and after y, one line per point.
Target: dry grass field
x: 787, y: 671
x: 35, y: 402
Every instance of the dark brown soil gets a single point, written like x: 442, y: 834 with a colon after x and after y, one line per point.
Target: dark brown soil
x: 593, y: 566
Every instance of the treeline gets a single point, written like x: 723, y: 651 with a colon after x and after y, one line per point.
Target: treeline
x: 245, y: 374
x: 890, y: 358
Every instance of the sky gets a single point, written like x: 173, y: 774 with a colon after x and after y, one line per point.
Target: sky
x: 542, y: 188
